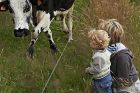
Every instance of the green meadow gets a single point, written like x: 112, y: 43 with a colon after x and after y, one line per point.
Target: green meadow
x: 18, y: 74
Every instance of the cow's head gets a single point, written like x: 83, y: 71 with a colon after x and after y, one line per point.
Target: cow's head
x: 21, y: 10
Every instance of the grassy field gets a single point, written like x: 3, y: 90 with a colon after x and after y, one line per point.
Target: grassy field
x: 20, y: 75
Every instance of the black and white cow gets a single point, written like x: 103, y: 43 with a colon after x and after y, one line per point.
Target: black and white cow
x: 41, y: 12
x: 46, y: 11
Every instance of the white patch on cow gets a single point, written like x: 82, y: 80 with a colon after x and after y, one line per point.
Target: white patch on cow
x: 64, y: 27
x: 20, y: 18
x: 50, y: 35
x: 43, y: 23
x: 70, y: 23
x: 40, y: 15
x: 61, y: 12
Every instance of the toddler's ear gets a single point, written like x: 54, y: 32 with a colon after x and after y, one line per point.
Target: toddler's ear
x: 101, y: 20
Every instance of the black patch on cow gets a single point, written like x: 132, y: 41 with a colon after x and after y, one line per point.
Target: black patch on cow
x: 33, y: 2
x: 34, y: 10
x: 53, y: 47
x: 62, y: 5
x: 51, y: 15
x: 42, y: 28
x: 38, y: 31
x: 10, y: 9
x: 49, y: 6
x: 27, y: 7
x: 53, y: 5
x: 49, y: 36
x: 28, y: 19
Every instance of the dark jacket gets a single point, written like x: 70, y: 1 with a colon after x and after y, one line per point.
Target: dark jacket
x: 122, y: 66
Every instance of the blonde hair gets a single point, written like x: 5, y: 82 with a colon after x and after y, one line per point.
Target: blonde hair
x: 114, y: 29
x: 99, y: 37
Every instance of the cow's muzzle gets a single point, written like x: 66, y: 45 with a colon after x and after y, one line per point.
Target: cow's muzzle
x: 21, y: 32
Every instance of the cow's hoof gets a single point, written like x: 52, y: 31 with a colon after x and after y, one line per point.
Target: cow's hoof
x: 30, y: 52
x: 21, y: 32
x: 70, y: 39
x: 53, y: 48
x: 65, y: 30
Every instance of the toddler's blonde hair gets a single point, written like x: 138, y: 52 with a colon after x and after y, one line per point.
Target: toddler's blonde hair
x: 113, y: 28
x: 99, y: 37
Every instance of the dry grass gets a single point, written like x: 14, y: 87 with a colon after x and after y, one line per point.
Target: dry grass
x: 19, y: 75
x: 122, y: 10
x: 106, y: 9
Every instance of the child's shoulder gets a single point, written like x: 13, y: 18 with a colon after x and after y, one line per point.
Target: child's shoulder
x: 122, y: 53
x: 102, y: 53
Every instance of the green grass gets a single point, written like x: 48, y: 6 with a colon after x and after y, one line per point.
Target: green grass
x: 133, y: 39
x: 21, y: 75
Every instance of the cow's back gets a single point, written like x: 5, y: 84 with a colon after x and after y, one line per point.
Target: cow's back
x: 53, y: 5
x: 63, y: 4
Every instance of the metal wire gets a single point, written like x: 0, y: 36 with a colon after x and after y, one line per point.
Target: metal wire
x: 54, y: 68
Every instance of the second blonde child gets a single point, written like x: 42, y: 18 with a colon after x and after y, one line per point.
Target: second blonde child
x: 122, y: 67
x: 100, y: 66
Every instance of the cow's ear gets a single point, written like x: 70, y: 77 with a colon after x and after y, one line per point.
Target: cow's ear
x: 3, y: 8
x: 40, y: 2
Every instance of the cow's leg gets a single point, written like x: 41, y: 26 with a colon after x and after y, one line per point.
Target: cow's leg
x: 44, y: 22
x: 65, y: 28
x: 30, y: 49
x: 70, y: 24
x: 31, y: 22
x: 48, y: 33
